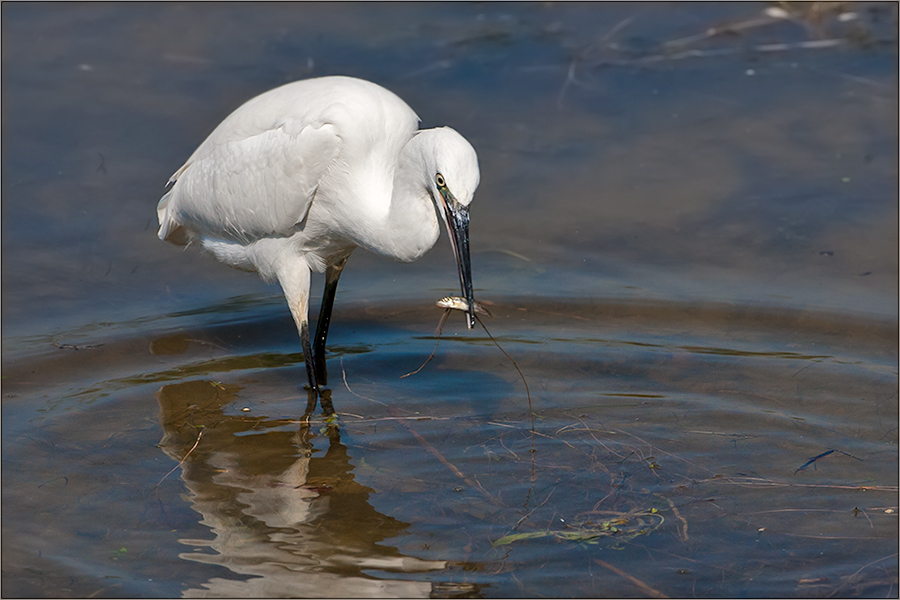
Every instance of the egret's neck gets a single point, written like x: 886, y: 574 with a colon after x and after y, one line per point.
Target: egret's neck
x: 411, y: 226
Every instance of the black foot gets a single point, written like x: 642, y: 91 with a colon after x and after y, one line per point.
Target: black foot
x: 325, y: 401
x: 312, y: 400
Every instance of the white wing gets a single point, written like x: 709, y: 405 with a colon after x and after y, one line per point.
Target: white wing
x: 253, y: 187
x: 257, y: 173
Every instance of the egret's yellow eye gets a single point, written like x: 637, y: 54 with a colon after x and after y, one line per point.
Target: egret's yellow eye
x: 439, y: 179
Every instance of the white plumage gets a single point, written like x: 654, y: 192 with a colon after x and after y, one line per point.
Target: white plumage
x: 298, y: 177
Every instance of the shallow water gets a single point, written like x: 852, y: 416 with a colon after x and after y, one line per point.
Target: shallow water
x: 693, y: 263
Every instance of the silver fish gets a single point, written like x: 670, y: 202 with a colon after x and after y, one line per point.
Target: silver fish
x: 457, y: 303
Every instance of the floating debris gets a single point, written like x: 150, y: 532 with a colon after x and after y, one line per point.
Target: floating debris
x: 624, y: 525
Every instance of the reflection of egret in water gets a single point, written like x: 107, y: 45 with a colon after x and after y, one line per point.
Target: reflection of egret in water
x: 296, y: 523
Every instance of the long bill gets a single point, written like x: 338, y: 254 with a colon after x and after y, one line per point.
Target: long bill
x: 458, y: 228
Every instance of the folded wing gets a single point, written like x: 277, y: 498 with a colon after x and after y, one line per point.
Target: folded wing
x: 244, y: 188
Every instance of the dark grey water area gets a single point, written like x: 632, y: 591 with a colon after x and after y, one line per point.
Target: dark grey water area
x: 688, y: 229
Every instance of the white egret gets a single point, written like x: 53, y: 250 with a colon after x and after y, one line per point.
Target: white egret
x: 296, y: 178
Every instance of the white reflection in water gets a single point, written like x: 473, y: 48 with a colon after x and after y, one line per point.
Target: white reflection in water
x: 294, y: 521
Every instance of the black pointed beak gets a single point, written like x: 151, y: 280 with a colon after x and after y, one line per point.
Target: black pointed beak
x: 458, y: 228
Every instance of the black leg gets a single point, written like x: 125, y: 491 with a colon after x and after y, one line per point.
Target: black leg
x: 309, y: 360
x: 327, y: 405
x: 312, y: 400
x: 332, y: 274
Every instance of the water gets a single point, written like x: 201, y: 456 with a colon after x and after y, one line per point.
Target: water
x: 692, y: 261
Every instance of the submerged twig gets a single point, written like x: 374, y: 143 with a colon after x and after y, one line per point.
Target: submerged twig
x: 715, y: 52
x: 437, y: 334
x: 646, y: 589
x: 434, y: 452
x: 347, y: 385
x: 181, y: 462
x: 528, y: 514
x: 850, y: 578
x: 813, y: 460
x: 573, y: 66
x: 676, y: 456
x: 761, y: 482
x: 720, y: 30
x: 858, y: 510
x: 827, y: 537
x: 379, y: 419
x: 453, y: 303
x: 683, y: 533
x: 593, y: 56
x: 596, y: 439
x: 519, y: 371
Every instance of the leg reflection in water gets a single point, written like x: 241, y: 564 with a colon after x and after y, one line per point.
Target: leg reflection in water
x: 296, y: 522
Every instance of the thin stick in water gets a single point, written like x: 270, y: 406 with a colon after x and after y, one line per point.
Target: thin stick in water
x: 437, y: 334
x: 347, y: 385
x: 434, y: 452
x: 519, y: 371
x: 181, y: 462
x: 645, y: 589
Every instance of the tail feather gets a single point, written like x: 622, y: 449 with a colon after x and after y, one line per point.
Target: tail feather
x: 171, y: 230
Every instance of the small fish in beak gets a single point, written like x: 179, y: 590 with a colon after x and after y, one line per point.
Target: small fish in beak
x: 457, y: 303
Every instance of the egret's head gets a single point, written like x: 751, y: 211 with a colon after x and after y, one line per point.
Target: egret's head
x: 455, y: 163
x: 453, y: 167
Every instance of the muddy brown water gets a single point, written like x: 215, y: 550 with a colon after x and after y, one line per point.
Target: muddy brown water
x: 691, y: 250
